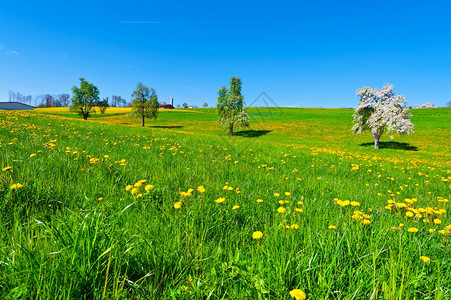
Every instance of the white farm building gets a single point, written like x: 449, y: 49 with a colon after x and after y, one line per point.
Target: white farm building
x: 15, y: 106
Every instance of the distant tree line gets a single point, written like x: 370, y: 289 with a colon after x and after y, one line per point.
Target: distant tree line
x: 118, y: 101
x: 58, y: 100
x: 46, y: 100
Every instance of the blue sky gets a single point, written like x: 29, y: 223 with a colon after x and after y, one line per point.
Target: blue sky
x: 300, y: 53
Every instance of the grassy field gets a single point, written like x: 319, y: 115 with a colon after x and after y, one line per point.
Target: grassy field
x: 107, y: 209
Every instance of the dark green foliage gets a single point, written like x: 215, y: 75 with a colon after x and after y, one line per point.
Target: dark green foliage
x: 84, y: 98
x: 145, y: 102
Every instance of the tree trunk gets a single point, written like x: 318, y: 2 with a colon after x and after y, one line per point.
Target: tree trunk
x: 85, y: 116
x: 376, y: 141
x: 143, y: 122
x: 231, y: 129
x: 377, y: 135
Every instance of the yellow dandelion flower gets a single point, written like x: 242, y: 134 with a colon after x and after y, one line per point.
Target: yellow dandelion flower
x: 409, y: 214
x: 201, y: 189
x: 288, y: 194
x: 425, y: 259
x: 16, y: 186
x: 343, y: 203
x: 142, y: 181
x: 7, y: 168
x: 138, y: 184
x: 412, y: 230
x: 230, y: 188
x: 100, y: 198
x: 235, y: 207
x: 294, y: 226
x: 32, y: 155
x: 149, y: 187
x: 257, y: 235
x: 134, y: 191
x: 259, y: 200
x: 332, y: 227
x: 220, y: 200
x: 299, y: 210
x: 366, y: 222
x: 281, y: 210
x: 178, y: 204
x: 139, y: 196
x: 298, y: 294
x: 437, y: 221
x: 355, y: 203
x: 401, y: 225
x: 276, y: 194
x: 431, y: 230
x: 281, y: 202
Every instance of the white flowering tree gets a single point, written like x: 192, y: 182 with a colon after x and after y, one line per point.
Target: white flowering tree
x: 381, y: 111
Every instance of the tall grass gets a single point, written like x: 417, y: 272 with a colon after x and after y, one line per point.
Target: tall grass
x: 74, y: 231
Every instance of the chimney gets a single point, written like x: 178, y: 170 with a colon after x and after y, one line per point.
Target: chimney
x: 171, y: 101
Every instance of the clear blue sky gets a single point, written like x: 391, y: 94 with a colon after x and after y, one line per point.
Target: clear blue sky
x: 301, y: 53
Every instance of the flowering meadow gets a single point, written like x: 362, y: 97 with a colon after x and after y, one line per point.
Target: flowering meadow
x: 295, y: 207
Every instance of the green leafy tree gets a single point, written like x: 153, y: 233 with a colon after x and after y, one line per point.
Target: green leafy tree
x: 84, y: 98
x: 185, y: 105
x: 144, y: 102
x: 230, y: 107
x: 103, y: 105
x: 204, y: 104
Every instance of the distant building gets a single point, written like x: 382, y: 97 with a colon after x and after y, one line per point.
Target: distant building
x: 166, y: 106
x: 15, y: 106
x: 424, y: 105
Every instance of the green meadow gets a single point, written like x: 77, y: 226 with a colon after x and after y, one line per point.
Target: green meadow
x: 106, y: 208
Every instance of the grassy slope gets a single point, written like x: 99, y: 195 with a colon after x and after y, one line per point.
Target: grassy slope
x: 59, y: 240
x: 308, y: 128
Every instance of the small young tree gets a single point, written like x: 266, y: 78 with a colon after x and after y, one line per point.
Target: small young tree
x: 230, y: 107
x: 204, y: 104
x: 103, y: 105
x: 144, y: 102
x: 381, y: 110
x: 84, y: 98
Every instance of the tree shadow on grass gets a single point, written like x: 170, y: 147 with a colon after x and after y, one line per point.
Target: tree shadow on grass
x: 251, y: 133
x: 167, y: 126
x: 392, y: 145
